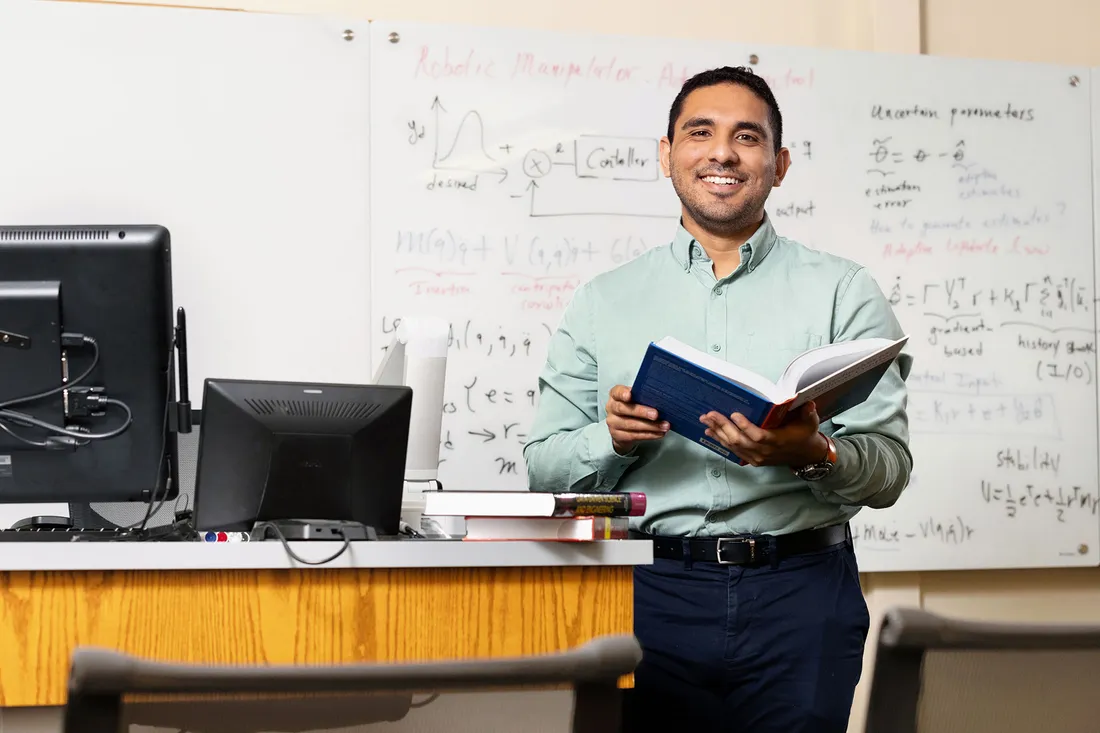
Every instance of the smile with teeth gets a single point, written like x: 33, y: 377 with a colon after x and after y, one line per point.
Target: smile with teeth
x: 723, y: 180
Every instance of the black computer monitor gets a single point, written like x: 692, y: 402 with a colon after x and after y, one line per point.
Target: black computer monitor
x: 303, y: 456
x: 86, y: 322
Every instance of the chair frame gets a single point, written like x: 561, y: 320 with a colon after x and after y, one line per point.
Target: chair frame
x: 906, y: 634
x: 99, y: 678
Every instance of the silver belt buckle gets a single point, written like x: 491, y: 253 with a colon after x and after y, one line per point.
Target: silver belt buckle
x: 750, y: 541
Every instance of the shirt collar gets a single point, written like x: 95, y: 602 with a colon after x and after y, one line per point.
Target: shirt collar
x: 686, y: 249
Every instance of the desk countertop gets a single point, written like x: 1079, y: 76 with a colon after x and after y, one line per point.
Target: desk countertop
x: 72, y: 556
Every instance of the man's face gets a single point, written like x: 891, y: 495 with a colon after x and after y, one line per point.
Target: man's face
x: 721, y: 159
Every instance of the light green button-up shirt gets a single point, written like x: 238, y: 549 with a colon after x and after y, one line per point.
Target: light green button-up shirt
x: 782, y: 299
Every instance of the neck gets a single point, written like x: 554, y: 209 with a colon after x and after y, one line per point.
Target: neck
x: 723, y: 247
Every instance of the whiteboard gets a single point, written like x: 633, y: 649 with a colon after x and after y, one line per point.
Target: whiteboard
x: 510, y: 166
x: 243, y: 133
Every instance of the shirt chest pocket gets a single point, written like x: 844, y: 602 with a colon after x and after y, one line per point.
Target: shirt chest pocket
x: 768, y: 354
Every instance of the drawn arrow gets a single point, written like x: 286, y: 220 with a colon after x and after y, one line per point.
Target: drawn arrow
x: 487, y: 434
x: 532, y: 186
x: 436, y: 106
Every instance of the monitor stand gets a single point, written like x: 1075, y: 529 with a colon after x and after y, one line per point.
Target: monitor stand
x: 295, y: 530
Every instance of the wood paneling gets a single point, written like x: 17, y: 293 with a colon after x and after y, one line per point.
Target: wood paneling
x: 298, y: 616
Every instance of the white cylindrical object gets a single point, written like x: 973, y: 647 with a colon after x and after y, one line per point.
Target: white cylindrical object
x: 425, y: 342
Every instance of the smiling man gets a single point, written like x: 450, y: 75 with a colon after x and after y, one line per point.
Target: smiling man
x: 751, y: 617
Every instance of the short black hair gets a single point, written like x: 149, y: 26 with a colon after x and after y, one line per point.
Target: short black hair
x: 740, y: 75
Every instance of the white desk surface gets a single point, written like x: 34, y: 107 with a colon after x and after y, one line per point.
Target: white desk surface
x: 69, y: 556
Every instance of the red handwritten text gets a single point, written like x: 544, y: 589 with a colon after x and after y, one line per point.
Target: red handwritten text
x: 532, y: 66
x: 673, y: 76
x: 905, y: 250
x: 1028, y: 249
x: 547, y: 293
x: 972, y: 246
x: 989, y: 246
x: 423, y: 287
x: 440, y: 286
x: 453, y: 65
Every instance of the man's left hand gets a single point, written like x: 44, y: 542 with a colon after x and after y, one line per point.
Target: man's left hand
x: 797, y: 443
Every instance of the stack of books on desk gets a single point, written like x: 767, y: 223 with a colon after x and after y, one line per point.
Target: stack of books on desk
x: 530, y: 515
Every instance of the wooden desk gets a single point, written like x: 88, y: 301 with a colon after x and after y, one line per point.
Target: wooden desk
x: 250, y: 603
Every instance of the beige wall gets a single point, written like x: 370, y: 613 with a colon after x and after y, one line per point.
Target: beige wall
x: 1063, y: 32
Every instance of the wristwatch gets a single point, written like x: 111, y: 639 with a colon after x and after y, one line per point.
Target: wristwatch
x: 821, y: 469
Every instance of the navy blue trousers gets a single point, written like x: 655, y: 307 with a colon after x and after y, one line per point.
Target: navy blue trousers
x: 758, y: 649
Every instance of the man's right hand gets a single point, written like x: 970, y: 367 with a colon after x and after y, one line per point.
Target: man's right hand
x: 630, y: 423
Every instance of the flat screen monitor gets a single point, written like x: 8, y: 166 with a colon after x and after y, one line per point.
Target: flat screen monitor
x: 273, y: 452
x: 86, y: 356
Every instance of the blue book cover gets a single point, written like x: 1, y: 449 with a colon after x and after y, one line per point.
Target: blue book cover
x: 683, y: 383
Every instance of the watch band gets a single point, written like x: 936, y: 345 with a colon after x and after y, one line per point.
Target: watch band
x: 820, y: 469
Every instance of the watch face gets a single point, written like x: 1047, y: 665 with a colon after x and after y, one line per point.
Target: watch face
x: 815, y: 472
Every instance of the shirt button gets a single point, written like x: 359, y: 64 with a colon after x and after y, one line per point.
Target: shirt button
x: 718, y: 291
x: 715, y: 473
x: 715, y: 347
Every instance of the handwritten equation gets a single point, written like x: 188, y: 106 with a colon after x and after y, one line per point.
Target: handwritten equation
x: 1021, y: 499
x: 536, y: 253
x: 892, y: 535
x: 1040, y: 296
x: 887, y: 155
x: 476, y: 338
x: 983, y: 414
x: 501, y: 460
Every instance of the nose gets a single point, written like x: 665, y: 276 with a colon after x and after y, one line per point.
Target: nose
x: 722, y: 150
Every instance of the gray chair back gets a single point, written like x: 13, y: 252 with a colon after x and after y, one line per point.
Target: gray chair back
x: 218, y: 699
x: 933, y: 673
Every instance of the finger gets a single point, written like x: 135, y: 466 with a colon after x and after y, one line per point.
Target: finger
x: 636, y: 437
x: 633, y: 424
x: 721, y: 428
x: 631, y: 410
x: 750, y: 431
x: 633, y: 436
x: 620, y: 393
x: 808, y: 413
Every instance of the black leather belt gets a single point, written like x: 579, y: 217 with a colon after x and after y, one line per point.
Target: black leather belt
x: 746, y: 550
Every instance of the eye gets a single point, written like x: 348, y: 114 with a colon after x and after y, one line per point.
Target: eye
x: 697, y: 133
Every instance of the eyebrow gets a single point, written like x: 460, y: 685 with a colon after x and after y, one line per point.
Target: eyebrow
x: 740, y: 126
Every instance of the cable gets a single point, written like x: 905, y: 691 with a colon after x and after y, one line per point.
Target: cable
x: 438, y: 527
x: 150, y: 511
x: 67, y: 339
x: 80, y: 402
x: 28, y: 441
x: 28, y: 421
x: 286, y: 546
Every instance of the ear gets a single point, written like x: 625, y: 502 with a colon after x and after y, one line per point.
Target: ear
x: 782, y: 165
x: 666, y: 156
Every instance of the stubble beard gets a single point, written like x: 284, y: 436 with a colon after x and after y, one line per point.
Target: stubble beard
x: 714, y: 216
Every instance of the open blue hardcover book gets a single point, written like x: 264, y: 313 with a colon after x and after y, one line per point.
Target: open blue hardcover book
x: 683, y: 384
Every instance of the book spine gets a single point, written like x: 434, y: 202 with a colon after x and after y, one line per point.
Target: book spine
x: 622, y: 504
x: 775, y: 417
x: 610, y: 528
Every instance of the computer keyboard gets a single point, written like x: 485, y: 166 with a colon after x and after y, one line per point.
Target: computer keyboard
x: 68, y: 534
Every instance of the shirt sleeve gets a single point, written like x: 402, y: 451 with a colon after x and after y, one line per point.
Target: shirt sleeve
x: 872, y: 439
x: 569, y: 446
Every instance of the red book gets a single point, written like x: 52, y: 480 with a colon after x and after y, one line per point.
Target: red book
x: 551, y: 529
